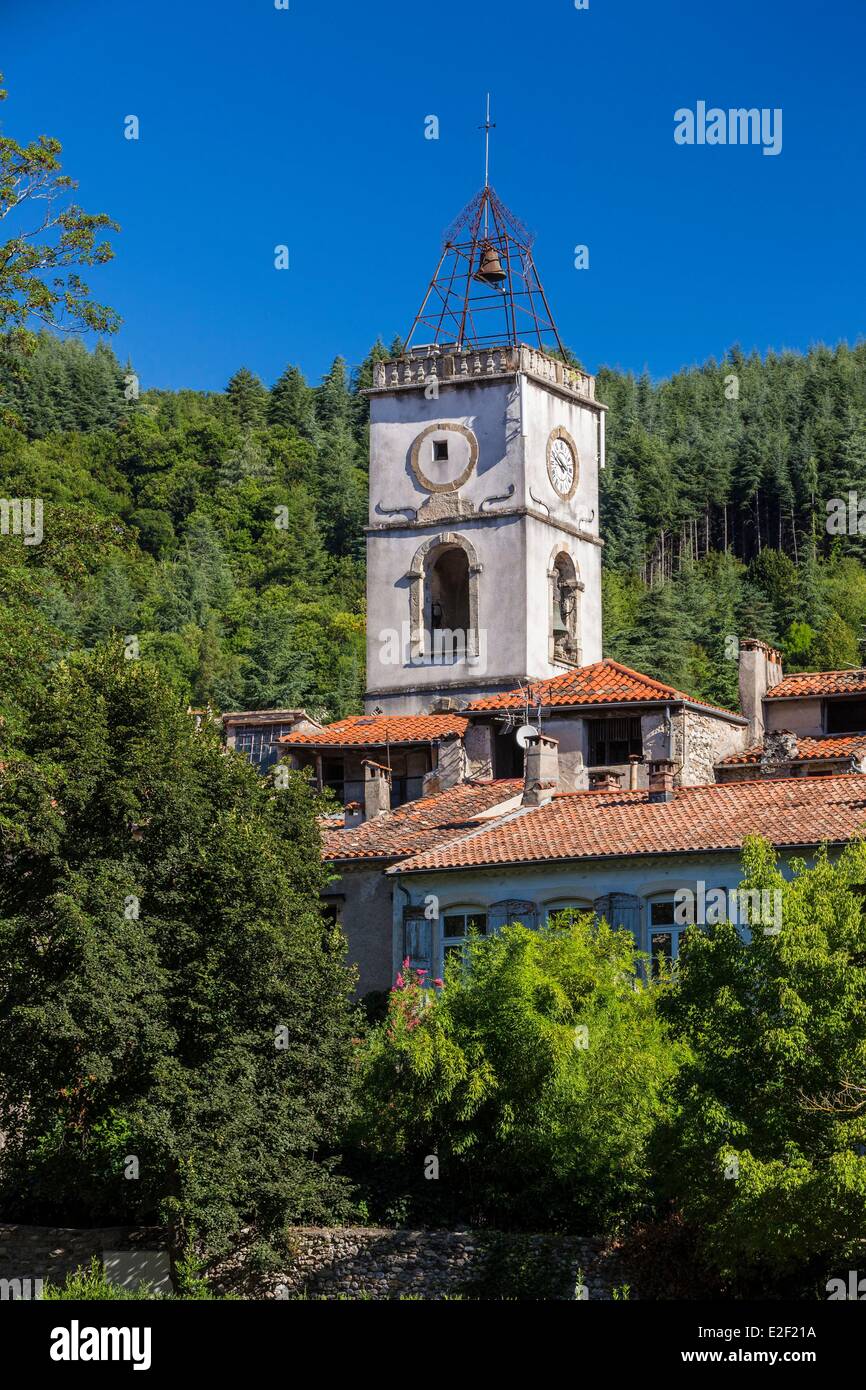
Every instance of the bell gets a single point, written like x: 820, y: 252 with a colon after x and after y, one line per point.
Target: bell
x: 490, y: 267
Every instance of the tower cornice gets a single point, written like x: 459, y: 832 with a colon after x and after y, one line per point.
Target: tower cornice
x: 418, y: 369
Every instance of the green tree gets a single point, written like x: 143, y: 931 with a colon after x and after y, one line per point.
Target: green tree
x: 247, y: 398
x: 39, y: 263
x: 835, y: 646
x: 765, y: 1157
x: 174, y: 1007
x: 292, y: 403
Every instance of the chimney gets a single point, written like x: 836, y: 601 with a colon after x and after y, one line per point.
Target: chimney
x: 377, y: 790
x: 760, y: 670
x: 604, y: 779
x: 353, y: 815
x: 540, y: 770
x: 450, y: 766
x: 633, y: 761
x: 661, y: 780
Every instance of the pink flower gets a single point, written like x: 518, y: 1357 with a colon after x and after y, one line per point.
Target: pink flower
x: 440, y: 984
x: 400, y: 982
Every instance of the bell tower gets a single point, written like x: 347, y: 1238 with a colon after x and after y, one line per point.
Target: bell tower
x: 483, y: 550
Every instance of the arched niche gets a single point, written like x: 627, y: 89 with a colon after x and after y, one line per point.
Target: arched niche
x: 564, y: 617
x: 443, y: 599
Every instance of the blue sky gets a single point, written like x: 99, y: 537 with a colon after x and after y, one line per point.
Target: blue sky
x: 305, y: 127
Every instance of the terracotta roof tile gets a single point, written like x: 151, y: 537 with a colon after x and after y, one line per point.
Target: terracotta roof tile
x: 604, y: 682
x: 840, y: 746
x: 790, y: 811
x: 420, y: 825
x: 802, y: 683
x: 376, y: 730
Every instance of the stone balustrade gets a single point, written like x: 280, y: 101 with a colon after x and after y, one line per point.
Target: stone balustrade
x: 421, y: 366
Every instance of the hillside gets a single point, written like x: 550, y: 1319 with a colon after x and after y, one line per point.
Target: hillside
x: 225, y: 531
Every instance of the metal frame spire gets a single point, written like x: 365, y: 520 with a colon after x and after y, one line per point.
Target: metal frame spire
x: 462, y: 310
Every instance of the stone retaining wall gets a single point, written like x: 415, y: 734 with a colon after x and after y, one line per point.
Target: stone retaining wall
x: 352, y: 1262
x: 363, y: 1262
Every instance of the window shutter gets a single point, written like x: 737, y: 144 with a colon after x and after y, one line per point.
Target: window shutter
x: 418, y: 933
x: 512, y: 910
x: 601, y: 906
x: 621, y: 910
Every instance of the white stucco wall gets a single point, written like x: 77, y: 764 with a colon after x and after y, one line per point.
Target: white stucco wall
x: 512, y: 419
x: 802, y: 717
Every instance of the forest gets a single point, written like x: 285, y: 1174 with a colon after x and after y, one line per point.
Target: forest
x: 224, y: 530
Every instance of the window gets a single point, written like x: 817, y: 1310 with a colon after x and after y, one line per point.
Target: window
x: 443, y: 600
x: 333, y: 776
x: 664, y: 936
x: 565, y: 590
x: 456, y: 927
x: 440, y: 450
x: 567, y: 912
x: 613, y: 741
x: 332, y: 910
x: 845, y: 716
x: 449, y: 605
x: 258, y: 742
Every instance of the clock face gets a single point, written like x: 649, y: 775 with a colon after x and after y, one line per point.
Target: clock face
x: 562, y: 462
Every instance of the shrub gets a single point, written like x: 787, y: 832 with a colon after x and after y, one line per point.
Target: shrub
x: 534, y: 1076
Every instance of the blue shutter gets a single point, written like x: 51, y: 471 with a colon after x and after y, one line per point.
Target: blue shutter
x: 512, y: 910
x: 621, y: 910
x: 418, y: 933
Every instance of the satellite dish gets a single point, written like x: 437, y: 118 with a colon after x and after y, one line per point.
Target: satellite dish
x: 524, y: 734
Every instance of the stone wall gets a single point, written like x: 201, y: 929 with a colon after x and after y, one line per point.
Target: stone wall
x: 51, y: 1252
x: 325, y: 1262
x: 700, y: 741
x: 363, y: 1262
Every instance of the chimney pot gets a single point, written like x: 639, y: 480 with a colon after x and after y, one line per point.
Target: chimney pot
x: 540, y: 770
x: 605, y: 779
x: 633, y: 760
x: 661, y: 780
x: 377, y: 790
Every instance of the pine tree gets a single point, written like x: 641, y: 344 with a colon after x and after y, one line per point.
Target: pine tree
x: 333, y: 401
x: 292, y: 403
x: 247, y: 398
x: 621, y: 524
